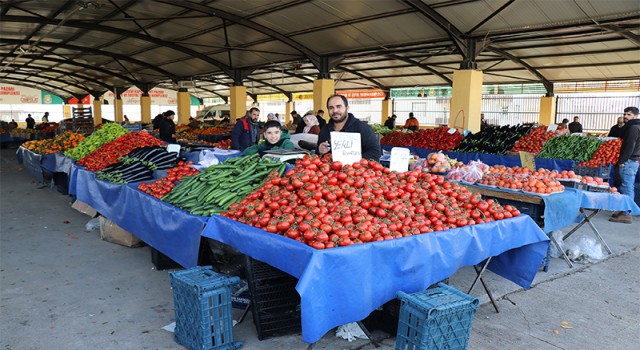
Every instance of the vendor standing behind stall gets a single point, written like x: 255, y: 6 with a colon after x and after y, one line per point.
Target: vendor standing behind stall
x: 246, y: 132
x: 342, y: 120
x: 168, y: 127
x: 31, y: 123
x: 628, y: 160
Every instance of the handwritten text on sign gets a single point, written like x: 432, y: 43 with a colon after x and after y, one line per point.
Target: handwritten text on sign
x: 346, y: 147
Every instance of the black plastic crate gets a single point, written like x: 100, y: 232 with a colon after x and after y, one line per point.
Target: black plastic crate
x: 275, y: 303
x: 600, y: 171
x: 61, y: 181
x: 162, y: 262
x: 535, y: 211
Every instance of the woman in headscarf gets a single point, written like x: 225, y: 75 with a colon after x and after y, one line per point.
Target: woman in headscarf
x: 312, y: 125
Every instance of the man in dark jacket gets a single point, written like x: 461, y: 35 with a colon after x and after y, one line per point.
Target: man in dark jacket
x: 320, y: 117
x: 342, y: 120
x: 627, y: 166
x: 575, y: 126
x: 167, y: 127
x: 31, y: 123
x: 246, y: 132
x: 391, y: 122
x: 618, y: 129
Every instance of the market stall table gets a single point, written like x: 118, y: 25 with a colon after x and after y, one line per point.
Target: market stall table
x: 343, y: 285
x: 172, y: 231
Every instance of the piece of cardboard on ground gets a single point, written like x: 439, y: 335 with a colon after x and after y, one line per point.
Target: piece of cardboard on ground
x: 111, y: 232
x: 84, y: 208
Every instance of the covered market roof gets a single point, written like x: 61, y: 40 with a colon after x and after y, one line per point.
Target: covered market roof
x: 72, y: 48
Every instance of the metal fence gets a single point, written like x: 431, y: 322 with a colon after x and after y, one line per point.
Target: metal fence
x: 367, y: 110
x: 510, y: 109
x: 428, y: 111
x: 596, y: 113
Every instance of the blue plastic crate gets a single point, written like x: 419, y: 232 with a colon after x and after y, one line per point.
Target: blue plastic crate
x: 438, y: 318
x: 202, y: 300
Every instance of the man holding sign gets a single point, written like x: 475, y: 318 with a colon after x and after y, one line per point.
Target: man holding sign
x: 343, y: 121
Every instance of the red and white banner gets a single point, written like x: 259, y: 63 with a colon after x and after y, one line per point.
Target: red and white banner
x: 365, y: 94
x: 158, y: 96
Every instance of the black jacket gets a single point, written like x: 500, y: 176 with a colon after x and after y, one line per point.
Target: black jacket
x: 31, y: 123
x: 167, y: 129
x: 616, y: 131
x: 370, y: 144
x: 630, y: 142
x: 390, y: 123
x: 575, y: 127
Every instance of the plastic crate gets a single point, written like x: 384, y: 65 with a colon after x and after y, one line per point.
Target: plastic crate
x: 202, y: 300
x: 592, y: 188
x: 601, y: 171
x: 571, y: 184
x: 132, y: 127
x: 275, y: 303
x: 535, y: 211
x: 438, y: 318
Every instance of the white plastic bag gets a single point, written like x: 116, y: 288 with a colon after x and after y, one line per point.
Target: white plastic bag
x: 350, y: 332
x: 207, y: 159
x: 553, y: 250
x: 591, y: 248
x: 93, y: 224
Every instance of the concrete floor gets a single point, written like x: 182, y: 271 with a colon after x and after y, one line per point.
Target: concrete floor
x: 63, y: 288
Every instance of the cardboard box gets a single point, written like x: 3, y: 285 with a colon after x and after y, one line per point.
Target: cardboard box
x: 111, y: 232
x: 84, y: 208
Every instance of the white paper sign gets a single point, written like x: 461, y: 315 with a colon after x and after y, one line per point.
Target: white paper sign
x: 172, y: 147
x: 346, y: 147
x: 399, y: 159
x: 552, y: 127
x: 452, y: 131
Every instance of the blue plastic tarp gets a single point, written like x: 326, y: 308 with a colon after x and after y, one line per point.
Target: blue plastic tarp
x: 609, y: 201
x: 493, y: 159
x: 73, y: 178
x: 63, y: 163
x: 343, y: 285
x: 172, y: 231
x: 561, y: 209
x: 49, y: 162
x: 31, y: 162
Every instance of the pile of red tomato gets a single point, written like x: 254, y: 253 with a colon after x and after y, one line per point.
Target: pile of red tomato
x: 607, y: 153
x: 325, y: 204
x: 533, y: 141
x: 164, y: 185
x: 110, y: 152
x: 436, y: 139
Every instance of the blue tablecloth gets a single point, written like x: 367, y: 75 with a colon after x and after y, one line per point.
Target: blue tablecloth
x: 73, y: 178
x: 172, y: 231
x: 608, y: 201
x: 343, y: 285
x: 493, y: 159
x: 48, y: 162
x: 32, y: 163
x: 561, y: 209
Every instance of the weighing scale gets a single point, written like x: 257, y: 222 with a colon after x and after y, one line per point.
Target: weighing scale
x: 284, y: 155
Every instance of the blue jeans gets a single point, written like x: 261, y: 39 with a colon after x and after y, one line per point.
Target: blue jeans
x: 628, y: 175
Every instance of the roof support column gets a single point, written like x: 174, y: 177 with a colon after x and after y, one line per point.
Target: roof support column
x: 184, y: 106
x: 547, y: 110
x: 466, y: 100
x: 117, y: 105
x: 97, y: 107
x: 387, y: 109
x: 238, y: 102
x: 145, y: 108
x: 322, y: 90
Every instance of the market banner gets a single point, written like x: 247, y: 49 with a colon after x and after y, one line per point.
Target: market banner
x: 419, y: 92
x: 364, y: 94
x: 162, y: 97
x: 303, y: 96
x: 272, y: 97
x: 51, y: 99
x: 15, y: 94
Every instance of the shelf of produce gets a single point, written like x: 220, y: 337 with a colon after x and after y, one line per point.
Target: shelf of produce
x: 409, y: 264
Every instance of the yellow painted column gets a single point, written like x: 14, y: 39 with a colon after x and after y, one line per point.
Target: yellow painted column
x: 97, y: 111
x: 466, y: 100
x: 238, y: 102
x: 322, y: 90
x: 118, y: 110
x: 387, y: 110
x: 145, y: 108
x: 288, y: 109
x: 66, y: 111
x: 547, y: 110
x: 184, y: 107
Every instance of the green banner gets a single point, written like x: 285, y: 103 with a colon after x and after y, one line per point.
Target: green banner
x: 418, y: 92
x: 194, y: 101
x: 51, y: 99
x: 513, y: 89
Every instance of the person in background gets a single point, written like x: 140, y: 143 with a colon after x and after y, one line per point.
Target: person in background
x: 274, y: 139
x: 246, y: 132
x: 342, y: 120
x: 298, y: 121
x: 412, y: 123
x: 157, y: 121
x: 272, y: 116
x: 12, y: 124
x: 618, y: 129
x: 483, y: 123
x: 168, y: 127
x: 31, y: 123
x: 562, y: 128
x: 320, y: 118
x: 312, y: 126
x: 45, y: 117
x: 390, y: 123
x: 627, y: 166
x: 575, y: 126
x: 126, y: 120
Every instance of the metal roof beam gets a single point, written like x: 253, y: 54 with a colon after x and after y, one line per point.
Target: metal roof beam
x: 423, y: 66
x: 72, y: 74
x: 488, y: 18
x: 358, y: 74
x: 625, y: 33
x: 30, y: 75
x: 547, y: 84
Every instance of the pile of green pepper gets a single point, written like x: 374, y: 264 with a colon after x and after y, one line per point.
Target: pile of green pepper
x: 578, y: 148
